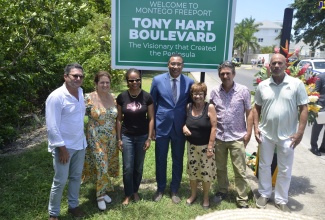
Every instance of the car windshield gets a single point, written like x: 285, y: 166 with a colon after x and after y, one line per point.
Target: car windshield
x: 319, y: 65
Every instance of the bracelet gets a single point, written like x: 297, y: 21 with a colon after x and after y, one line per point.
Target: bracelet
x: 119, y: 140
x: 149, y: 139
x: 210, y: 150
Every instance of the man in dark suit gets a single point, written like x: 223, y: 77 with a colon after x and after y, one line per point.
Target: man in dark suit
x: 320, y: 87
x: 170, y: 92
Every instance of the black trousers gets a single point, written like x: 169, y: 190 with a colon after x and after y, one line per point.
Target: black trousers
x: 316, y: 129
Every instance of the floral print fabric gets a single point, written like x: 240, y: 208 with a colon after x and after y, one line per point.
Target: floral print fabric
x: 102, y: 155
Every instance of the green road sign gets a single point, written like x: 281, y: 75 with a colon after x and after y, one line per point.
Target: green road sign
x: 146, y: 32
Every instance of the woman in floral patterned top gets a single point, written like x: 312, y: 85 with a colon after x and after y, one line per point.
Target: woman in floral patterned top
x: 102, y: 155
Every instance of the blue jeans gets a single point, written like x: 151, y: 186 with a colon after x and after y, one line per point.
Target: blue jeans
x: 72, y: 170
x: 133, y: 159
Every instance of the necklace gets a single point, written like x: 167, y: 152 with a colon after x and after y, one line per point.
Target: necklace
x: 134, y: 96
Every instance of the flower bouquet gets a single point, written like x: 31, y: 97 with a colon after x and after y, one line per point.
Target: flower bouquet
x: 308, y: 78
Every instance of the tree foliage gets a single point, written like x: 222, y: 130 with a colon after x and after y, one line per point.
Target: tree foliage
x: 267, y: 49
x: 244, y: 38
x: 310, y: 23
x: 37, y: 39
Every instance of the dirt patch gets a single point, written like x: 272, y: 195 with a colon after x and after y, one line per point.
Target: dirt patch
x: 26, y: 141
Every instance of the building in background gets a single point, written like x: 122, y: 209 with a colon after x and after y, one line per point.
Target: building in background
x: 269, y: 35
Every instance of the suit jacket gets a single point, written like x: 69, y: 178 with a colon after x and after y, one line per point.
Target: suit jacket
x: 167, y: 113
x: 320, y: 87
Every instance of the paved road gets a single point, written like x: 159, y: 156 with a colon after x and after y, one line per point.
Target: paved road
x: 307, y: 189
x: 245, y: 76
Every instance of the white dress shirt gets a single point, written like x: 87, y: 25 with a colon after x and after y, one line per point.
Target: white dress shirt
x: 65, y: 119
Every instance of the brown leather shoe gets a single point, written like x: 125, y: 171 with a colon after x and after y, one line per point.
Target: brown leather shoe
x: 53, y: 217
x: 175, y: 198
x: 157, y: 197
x: 76, y: 212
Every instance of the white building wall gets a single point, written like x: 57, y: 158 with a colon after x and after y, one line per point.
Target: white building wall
x: 268, y: 36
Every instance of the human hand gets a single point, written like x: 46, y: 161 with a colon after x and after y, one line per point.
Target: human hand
x: 258, y: 136
x: 147, y: 144
x: 120, y: 145
x: 63, y: 155
x: 295, y: 140
x: 247, y: 138
x: 210, y: 152
x: 186, y: 131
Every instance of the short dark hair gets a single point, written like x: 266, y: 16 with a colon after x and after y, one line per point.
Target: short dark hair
x: 227, y: 64
x: 71, y: 66
x: 131, y: 70
x: 101, y: 74
x: 176, y: 55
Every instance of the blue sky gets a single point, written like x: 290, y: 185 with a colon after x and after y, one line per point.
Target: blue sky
x: 272, y: 10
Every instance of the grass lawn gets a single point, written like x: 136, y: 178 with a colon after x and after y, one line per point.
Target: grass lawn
x: 26, y: 180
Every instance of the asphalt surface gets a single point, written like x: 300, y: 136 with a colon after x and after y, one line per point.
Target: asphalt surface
x: 307, y: 188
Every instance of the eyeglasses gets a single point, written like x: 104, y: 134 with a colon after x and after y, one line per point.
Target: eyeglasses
x: 134, y: 80
x: 176, y: 64
x: 75, y: 76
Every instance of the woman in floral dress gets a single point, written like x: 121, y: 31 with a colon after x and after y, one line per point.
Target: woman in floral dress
x: 101, y: 161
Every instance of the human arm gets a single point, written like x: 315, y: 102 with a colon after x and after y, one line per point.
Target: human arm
x: 256, y: 119
x: 53, y: 117
x: 118, y: 127
x: 154, y: 93
x: 249, y: 126
x: 213, y: 120
x: 297, y: 137
x: 186, y: 131
x: 151, y: 125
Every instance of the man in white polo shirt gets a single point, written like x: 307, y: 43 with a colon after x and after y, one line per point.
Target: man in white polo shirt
x: 65, y: 111
x: 278, y: 102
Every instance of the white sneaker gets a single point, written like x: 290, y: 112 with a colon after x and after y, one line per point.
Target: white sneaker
x: 101, y: 203
x: 107, y: 199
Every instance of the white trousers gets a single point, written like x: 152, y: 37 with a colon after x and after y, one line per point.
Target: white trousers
x: 285, y: 156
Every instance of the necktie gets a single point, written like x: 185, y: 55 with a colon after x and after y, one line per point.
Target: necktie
x: 174, y: 90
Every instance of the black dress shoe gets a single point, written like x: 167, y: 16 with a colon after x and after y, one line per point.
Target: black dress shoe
x: 321, y: 149
x: 315, y: 151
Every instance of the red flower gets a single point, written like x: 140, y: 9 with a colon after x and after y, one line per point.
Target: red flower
x: 312, y: 80
x: 258, y: 80
x: 315, y: 94
x: 303, y: 69
x: 288, y: 71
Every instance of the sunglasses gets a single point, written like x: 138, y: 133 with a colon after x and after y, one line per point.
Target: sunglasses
x: 134, y: 80
x: 76, y: 76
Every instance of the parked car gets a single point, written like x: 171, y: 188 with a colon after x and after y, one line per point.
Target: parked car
x: 316, y: 66
x: 236, y: 61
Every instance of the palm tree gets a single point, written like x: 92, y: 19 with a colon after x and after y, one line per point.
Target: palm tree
x: 244, y: 38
